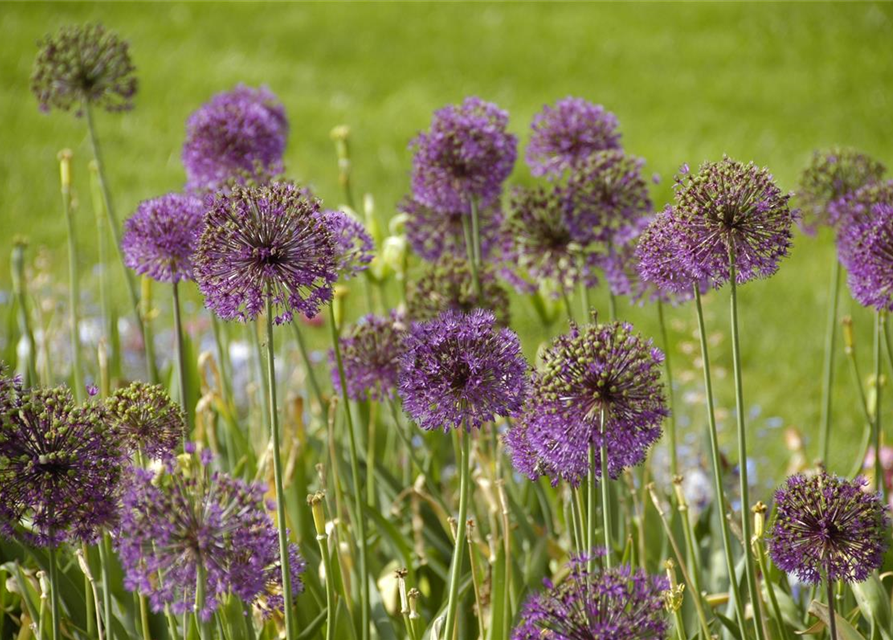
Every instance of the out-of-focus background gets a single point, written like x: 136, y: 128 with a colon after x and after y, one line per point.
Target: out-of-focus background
x: 689, y: 82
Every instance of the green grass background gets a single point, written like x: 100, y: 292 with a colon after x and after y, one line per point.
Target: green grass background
x: 689, y: 82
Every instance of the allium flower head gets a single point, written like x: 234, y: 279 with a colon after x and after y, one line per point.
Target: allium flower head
x: 461, y: 370
x: 565, y: 135
x: 432, y: 233
x: 59, y: 468
x: 371, y: 352
x: 619, y: 263
x: 160, y: 238
x: 449, y: 285
x: 354, y: 248
x: 265, y: 242
x: 191, y: 518
x: 601, y: 604
x: 146, y: 419
x: 466, y: 154
x: 240, y: 136
x: 729, y: 207
x: 604, y: 193
x: 84, y: 64
x: 854, y: 213
x: 828, y: 528
x: 659, y: 259
x: 866, y: 250
x: 594, y: 370
x: 832, y: 174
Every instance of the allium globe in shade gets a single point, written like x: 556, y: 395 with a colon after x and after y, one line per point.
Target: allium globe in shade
x: 659, y: 255
x: 620, y: 603
x: 370, y: 351
x: 461, y: 371
x: 866, y: 250
x: 263, y: 243
x: 566, y: 134
x: 84, y: 64
x: 59, y: 467
x: 592, y: 373
x: 828, y: 528
x: 160, y: 238
x: 832, y: 174
x: 146, y: 420
x: 732, y: 210
x: 189, y: 519
x: 239, y: 136
x: 855, y: 212
x: 435, y: 233
x: 464, y: 157
x: 354, y: 248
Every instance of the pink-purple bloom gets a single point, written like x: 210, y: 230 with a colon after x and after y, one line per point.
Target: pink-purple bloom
x: 146, y: 420
x: 866, y: 250
x: 371, y: 352
x: 263, y: 243
x: 565, y: 135
x: 461, y: 370
x: 239, y: 136
x: 855, y: 211
x: 465, y: 156
x: 354, y: 247
x: 828, y: 528
x: 433, y: 233
x: 160, y: 238
x: 660, y: 262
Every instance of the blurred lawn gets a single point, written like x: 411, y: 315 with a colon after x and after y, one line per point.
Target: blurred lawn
x: 688, y: 81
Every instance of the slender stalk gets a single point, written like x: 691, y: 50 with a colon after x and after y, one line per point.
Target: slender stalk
x: 746, y: 527
x: 780, y: 627
x: 606, y: 504
x: 181, y: 363
x: 476, y: 584
x: 832, y: 622
x: 20, y: 291
x: 106, y: 585
x: 828, y: 367
x: 671, y: 423
x: 591, y: 501
x: 458, y: 553
x: 322, y: 538
x: 290, y: 623
x: 576, y: 524
x: 144, y: 618
x: 73, y: 280
x: 204, y: 627
x: 476, y: 233
x: 360, y: 534
x: 56, y: 609
x: 116, y: 235
x: 584, y: 290
x: 850, y: 351
x: 612, y: 306
x: 717, y: 466
x: 308, y: 367
x: 470, y: 251
x: 879, y: 322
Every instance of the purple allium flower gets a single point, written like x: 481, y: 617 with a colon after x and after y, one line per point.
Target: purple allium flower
x: 854, y: 213
x: 619, y: 262
x: 729, y: 207
x: 84, y: 64
x: 568, y: 133
x: 461, y: 370
x: 59, y: 467
x: 866, y: 250
x: 190, y: 518
x: 605, y: 192
x: 432, y: 234
x: 659, y: 252
x: 146, y: 419
x: 466, y: 155
x: 833, y: 174
x: 238, y: 136
x: 354, y: 247
x: 621, y: 603
x: 589, y: 371
x: 448, y: 284
x: 828, y: 528
x: 265, y: 242
x: 160, y: 238
x: 371, y: 353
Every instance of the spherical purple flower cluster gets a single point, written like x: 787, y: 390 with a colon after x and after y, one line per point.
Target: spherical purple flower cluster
x: 828, y: 528
x: 59, y: 467
x: 659, y: 255
x: 432, y: 233
x: 833, y: 174
x: 371, y: 353
x: 265, y: 243
x: 597, y: 372
x: 465, y: 156
x: 146, y: 420
x: 617, y: 604
x: 81, y: 65
x: 239, y: 136
x: 619, y: 262
x: 189, y: 519
x: 354, y: 248
x: 867, y: 253
x: 160, y: 238
x: 461, y: 370
x: 854, y: 212
x: 448, y: 284
x: 731, y: 210
x: 565, y: 135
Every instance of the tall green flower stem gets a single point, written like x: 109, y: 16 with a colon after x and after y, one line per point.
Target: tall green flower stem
x: 20, y: 291
x: 181, y: 361
x: 828, y: 367
x: 759, y: 516
x: 461, y: 532
x: 879, y: 323
x: 340, y: 135
x: 470, y: 243
x: 152, y: 371
x: 290, y: 622
x: 606, y: 501
x: 308, y: 368
x: 99, y: 211
x: 365, y: 612
x: 668, y: 367
x: 691, y: 548
x: 716, y: 464
x: 316, y: 502
x: 73, y: 281
x: 204, y: 628
x: 849, y: 348
x: 56, y: 604
x: 746, y: 528
x: 591, y: 502
x: 832, y: 616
